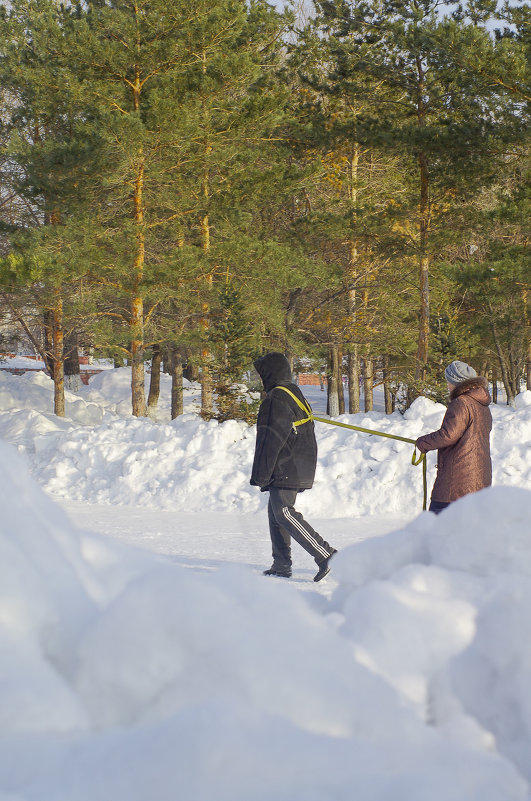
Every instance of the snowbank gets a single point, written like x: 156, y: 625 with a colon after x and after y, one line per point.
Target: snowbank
x: 111, y: 389
x: 34, y: 391
x: 101, y: 454
x: 128, y: 677
x: 441, y: 609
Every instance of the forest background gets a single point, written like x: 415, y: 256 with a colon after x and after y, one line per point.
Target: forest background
x: 197, y: 182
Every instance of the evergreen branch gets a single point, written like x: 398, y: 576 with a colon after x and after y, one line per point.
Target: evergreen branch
x: 116, y: 315
x: 36, y: 344
x: 120, y: 41
x: 149, y: 315
x: 513, y: 88
x: 114, y: 346
x: 115, y: 105
x: 171, y: 217
x: 8, y: 199
x: 171, y: 62
x: 494, y: 80
x: 117, y: 75
x: 98, y: 279
x: 347, y: 288
x: 174, y: 331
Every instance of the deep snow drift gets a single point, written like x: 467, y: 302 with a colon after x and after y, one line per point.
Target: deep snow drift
x: 128, y: 677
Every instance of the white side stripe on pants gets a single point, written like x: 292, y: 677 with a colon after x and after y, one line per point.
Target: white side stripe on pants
x: 306, y: 534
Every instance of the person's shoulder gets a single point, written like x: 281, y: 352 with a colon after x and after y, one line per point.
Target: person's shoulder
x: 282, y: 394
x: 285, y: 390
x: 459, y: 406
x: 279, y: 391
x: 455, y: 403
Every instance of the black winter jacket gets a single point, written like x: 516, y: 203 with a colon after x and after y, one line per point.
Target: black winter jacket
x: 284, y: 456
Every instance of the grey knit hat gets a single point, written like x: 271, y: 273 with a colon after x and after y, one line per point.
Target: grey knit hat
x: 456, y: 372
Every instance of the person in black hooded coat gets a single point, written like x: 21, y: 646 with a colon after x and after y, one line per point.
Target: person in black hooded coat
x: 284, y: 464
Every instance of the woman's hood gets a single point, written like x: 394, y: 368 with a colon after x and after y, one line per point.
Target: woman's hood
x: 477, y: 388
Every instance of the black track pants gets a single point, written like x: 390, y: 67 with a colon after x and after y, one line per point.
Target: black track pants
x: 285, y: 522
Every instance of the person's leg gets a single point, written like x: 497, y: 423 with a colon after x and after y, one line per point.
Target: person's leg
x: 292, y: 523
x: 280, y: 542
x: 437, y: 506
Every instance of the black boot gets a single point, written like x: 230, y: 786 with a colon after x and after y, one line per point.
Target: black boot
x: 324, y: 567
x: 283, y: 571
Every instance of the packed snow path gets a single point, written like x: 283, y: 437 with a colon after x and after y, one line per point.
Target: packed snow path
x: 206, y: 541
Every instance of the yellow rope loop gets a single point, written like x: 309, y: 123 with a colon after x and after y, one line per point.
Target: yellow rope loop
x: 422, y: 460
x: 416, y: 461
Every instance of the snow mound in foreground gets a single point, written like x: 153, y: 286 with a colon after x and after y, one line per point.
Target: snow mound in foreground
x: 128, y: 677
x: 441, y: 609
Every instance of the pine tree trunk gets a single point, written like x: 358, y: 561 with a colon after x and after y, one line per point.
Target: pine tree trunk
x: 340, y: 390
x: 290, y: 356
x: 353, y: 381
x: 166, y: 360
x: 503, y: 366
x: 289, y: 317
x: 207, y: 392
x: 47, y: 335
x: 494, y: 386
x: 191, y: 369
x: 177, y: 406
x: 207, y: 405
x: 525, y: 296
x: 332, y: 407
x: 154, y: 383
x: 421, y: 360
x: 58, y: 356
x: 352, y: 275
x: 71, y: 362
x: 368, y: 383
x: 138, y: 397
x: 388, y: 395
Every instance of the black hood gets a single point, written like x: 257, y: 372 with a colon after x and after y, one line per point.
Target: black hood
x: 273, y: 369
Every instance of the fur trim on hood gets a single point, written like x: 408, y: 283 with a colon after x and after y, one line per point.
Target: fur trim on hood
x: 478, y: 387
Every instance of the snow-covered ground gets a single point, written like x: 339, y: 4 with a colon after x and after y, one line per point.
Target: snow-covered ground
x: 145, y: 658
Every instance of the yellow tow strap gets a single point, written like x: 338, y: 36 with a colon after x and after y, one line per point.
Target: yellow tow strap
x: 307, y: 409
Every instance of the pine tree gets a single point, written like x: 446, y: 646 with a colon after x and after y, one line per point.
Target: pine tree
x: 439, y: 121
x: 492, y: 274
x: 351, y: 183
x: 185, y: 103
x: 46, y: 159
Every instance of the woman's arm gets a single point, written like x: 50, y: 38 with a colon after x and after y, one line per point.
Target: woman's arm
x: 455, y: 422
